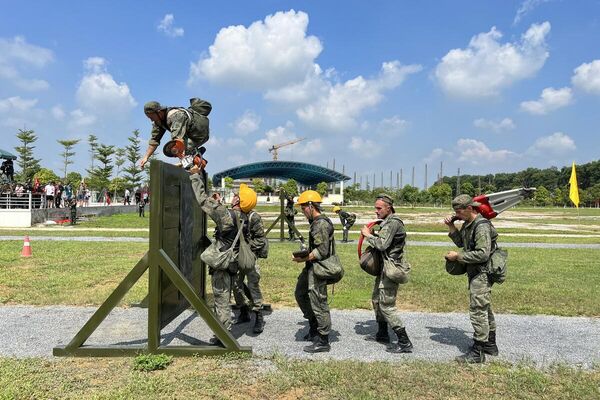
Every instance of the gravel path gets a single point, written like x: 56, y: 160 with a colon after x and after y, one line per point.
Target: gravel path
x: 353, y: 243
x: 28, y: 331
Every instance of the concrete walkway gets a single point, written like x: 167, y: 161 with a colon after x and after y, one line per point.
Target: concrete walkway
x: 542, y: 340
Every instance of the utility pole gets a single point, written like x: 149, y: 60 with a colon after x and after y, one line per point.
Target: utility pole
x: 425, y: 188
x: 397, y: 180
x: 354, y: 180
x: 391, y: 186
x: 412, y: 182
x: 361, y: 186
x: 458, y: 182
x: 479, y: 179
x: 382, y: 179
x: 401, y: 186
x: 374, y: 183
x: 334, y: 164
x: 441, y: 172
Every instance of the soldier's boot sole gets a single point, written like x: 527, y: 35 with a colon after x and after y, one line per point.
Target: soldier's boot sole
x: 490, y: 349
x: 317, y: 348
x: 395, y: 349
x: 378, y: 339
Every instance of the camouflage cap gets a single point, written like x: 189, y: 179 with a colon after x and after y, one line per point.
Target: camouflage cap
x: 463, y: 201
x: 387, y: 199
x: 152, y: 106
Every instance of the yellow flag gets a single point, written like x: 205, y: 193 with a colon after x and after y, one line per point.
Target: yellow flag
x: 574, y: 190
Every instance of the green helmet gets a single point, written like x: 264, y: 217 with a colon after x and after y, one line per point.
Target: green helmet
x: 152, y: 106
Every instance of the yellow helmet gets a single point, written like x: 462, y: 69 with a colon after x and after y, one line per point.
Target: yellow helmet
x: 248, y: 198
x: 309, y: 196
x: 336, y: 209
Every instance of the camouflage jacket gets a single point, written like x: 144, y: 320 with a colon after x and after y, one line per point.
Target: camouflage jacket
x: 480, y: 250
x: 347, y: 218
x: 390, y: 238
x: 320, y: 236
x: 254, y: 232
x: 226, y: 226
x: 177, y: 122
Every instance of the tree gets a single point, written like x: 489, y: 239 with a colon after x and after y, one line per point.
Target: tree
x: 322, y: 188
x: 67, y: 153
x: 45, y: 175
x: 93, y: 142
x: 133, y: 173
x: 100, y: 176
x: 28, y: 164
x: 73, y: 179
x: 119, y: 159
x: 290, y: 188
x: 259, y: 185
x: 441, y: 193
x: 228, y: 183
x: 542, y: 197
x: 467, y: 188
x: 117, y: 185
x: 410, y: 194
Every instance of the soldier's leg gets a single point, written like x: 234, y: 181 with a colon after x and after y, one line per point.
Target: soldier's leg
x: 240, y: 298
x: 490, y: 347
x: 254, y: 286
x: 345, y: 234
x: 382, y: 334
x: 479, y: 307
x: 317, y: 292
x: 301, y: 294
x: 388, y: 291
x: 221, y: 286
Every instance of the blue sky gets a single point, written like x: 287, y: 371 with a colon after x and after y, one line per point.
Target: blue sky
x: 494, y: 86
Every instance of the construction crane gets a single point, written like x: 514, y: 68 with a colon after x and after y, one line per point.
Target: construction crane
x: 276, y: 147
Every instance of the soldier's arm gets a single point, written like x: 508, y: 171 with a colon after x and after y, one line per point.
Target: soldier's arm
x: 384, y: 238
x: 483, y: 247
x: 320, y: 233
x: 156, y: 135
x: 258, y: 239
x: 216, y: 211
x: 456, y: 238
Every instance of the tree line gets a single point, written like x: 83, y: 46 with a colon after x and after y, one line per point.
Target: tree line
x: 111, y: 167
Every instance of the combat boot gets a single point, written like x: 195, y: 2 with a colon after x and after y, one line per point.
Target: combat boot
x: 475, y: 354
x: 216, y: 341
x: 244, y: 315
x: 259, y: 323
x: 382, y: 335
x: 320, y: 345
x: 404, y: 344
x: 490, y: 346
x: 312, y: 330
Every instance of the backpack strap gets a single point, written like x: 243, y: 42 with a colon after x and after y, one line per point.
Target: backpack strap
x: 472, y: 241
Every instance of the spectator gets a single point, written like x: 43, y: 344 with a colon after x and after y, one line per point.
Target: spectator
x: 137, y: 196
x: 141, y: 207
x: 127, y: 200
x: 145, y: 197
x: 8, y: 169
x: 49, y: 191
x: 81, y: 193
x: 58, y: 191
x: 86, y: 197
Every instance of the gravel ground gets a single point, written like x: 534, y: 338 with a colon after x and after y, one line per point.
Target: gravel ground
x: 352, y: 243
x: 28, y: 331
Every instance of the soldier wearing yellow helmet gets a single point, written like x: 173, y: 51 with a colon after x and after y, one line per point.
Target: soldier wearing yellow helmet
x: 254, y: 234
x: 311, y: 292
x: 346, y: 219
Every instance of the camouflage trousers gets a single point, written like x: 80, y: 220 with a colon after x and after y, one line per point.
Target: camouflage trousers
x: 291, y: 225
x: 480, y: 307
x: 221, y: 287
x: 311, y: 296
x: 384, y: 302
x: 255, y: 299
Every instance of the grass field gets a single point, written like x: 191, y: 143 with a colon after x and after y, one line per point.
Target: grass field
x: 257, y: 378
x: 541, y: 281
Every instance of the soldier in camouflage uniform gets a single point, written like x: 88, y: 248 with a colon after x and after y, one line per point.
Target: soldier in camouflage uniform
x: 311, y: 292
x: 346, y: 219
x: 389, y: 240
x: 477, y: 240
x: 183, y: 123
x: 226, y: 231
x: 290, y: 213
x: 254, y: 232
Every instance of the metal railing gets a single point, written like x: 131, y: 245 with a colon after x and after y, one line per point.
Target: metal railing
x: 25, y: 201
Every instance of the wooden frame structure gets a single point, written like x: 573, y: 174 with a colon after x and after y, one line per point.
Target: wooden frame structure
x: 177, y: 276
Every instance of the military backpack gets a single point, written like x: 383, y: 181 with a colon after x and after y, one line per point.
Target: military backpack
x: 496, y: 266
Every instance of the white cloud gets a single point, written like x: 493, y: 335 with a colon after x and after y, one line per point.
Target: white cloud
x: 506, y: 124
x: 477, y: 153
x: 556, y: 144
x: 365, y: 147
x: 392, y: 126
x: 344, y: 102
x: 80, y: 118
x: 587, y: 77
x: 526, y: 7
x: 58, y: 113
x: 487, y: 66
x: 98, y: 92
x: 266, y: 55
x: 283, y: 134
x: 247, y: 123
x: 15, y: 55
x: 551, y: 99
x: 437, y: 154
x: 166, y: 26
x: 16, y: 104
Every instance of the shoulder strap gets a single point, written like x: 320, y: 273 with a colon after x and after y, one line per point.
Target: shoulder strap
x: 475, y: 225
x: 237, y: 223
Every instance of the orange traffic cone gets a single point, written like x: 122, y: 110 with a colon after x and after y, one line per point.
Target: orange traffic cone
x: 26, y: 252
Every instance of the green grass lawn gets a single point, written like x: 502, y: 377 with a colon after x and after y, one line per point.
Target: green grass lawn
x: 232, y: 377
x: 541, y: 281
